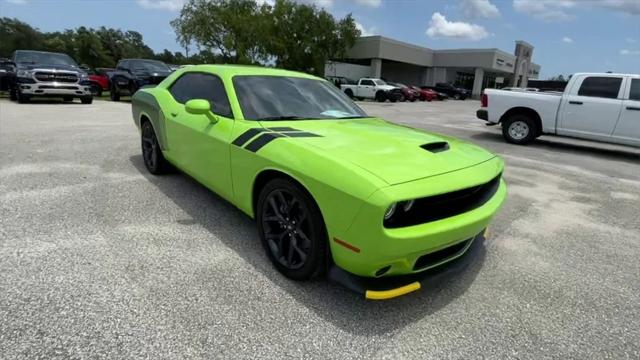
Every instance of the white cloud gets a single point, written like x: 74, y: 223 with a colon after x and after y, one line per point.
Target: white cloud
x: 479, y: 8
x: 627, y: 6
x: 364, y: 31
x: 559, y: 10
x: 631, y: 40
x: 19, y: 2
x: 171, y: 5
x: 440, y: 27
x: 567, y: 40
x: 547, y: 10
x: 629, y: 52
x: 370, y: 3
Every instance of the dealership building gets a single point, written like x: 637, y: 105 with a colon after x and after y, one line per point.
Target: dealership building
x: 474, y: 69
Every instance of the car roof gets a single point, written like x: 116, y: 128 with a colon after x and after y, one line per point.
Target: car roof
x: 233, y: 70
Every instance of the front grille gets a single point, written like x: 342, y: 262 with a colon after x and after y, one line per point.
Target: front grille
x: 48, y: 87
x: 58, y: 77
x: 442, y: 206
x: 436, y: 257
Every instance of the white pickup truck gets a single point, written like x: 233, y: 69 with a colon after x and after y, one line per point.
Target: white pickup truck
x: 602, y: 107
x: 368, y: 88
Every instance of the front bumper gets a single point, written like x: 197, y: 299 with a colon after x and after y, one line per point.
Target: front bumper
x: 385, y: 252
x: 394, y: 286
x: 55, y: 89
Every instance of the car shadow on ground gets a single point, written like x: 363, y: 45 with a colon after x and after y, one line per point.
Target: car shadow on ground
x: 343, y: 308
x: 587, y: 148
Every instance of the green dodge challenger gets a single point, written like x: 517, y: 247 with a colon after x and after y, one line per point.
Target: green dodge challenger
x: 331, y: 188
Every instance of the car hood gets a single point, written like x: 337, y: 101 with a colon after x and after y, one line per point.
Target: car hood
x: 23, y: 66
x: 392, y: 152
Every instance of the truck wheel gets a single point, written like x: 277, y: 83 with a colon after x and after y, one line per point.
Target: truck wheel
x: 86, y: 100
x: 349, y: 93
x: 519, y: 129
x: 380, y: 97
x: 152, y: 156
x: 22, y: 98
x: 456, y: 97
x: 114, y: 94
x: 13, y: 95
x: 67, y: 99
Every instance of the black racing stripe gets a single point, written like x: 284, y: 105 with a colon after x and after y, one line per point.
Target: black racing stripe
x: 247, y: 135
x: 303, y: 134
x: 285, y: 128
x: 261, y: 141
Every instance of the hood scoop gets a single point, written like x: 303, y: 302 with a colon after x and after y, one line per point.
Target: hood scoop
x: 436, y: 147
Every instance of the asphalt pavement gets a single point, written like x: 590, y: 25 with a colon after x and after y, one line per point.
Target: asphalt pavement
x: 100, y: 260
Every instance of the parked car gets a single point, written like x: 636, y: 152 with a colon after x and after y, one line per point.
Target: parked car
x: 369, y: 88
x: 408, y: 94
x: 132, y: 74
x: 333, y: 190
x: 425, y: 94
x: 99, y: 81
x: 597, y: 106
x: 7, y: 70
x: 450, y: 90
x: 47, y: 74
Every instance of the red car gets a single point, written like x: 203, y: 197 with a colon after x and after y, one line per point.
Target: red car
x: 99, y: 80
x: 425, y: 94
x: 407, y: 92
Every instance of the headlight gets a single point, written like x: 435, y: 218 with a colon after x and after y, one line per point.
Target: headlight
x: 407, y: 205
x: 390, y: 211
x: 24, y: 73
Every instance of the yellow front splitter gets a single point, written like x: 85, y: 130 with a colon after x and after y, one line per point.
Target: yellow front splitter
x: 392, y: 293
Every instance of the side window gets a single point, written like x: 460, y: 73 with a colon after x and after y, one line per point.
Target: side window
x: 122, y: 64
x: 604, y: 87
x: 202, y: 86
x: 635, y: 90
x: 366, y: 83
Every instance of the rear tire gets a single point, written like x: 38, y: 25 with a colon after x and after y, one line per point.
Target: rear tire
x: 519, y: 129
x: 292, y: 230
x: 154, y: 161
x: 349, y: 93
x: 380, y: 97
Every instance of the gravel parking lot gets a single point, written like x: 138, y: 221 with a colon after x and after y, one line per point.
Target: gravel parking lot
x: 99, y: 259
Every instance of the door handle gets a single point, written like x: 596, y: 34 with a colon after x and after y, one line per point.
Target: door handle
x: 633, y: 108
x: 575, y: 102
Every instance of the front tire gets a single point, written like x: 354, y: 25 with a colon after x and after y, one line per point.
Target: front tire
x: 154, y: 161
x: 13, y: 94
x: 86, y: 100
x: 292, y: 230
x: 22, y: 98
x: 114, y: 94
x: 519, y: 129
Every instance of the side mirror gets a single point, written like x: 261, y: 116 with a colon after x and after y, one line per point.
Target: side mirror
x: 197, y: 106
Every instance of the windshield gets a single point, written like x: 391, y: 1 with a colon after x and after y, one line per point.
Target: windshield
x: 291, y: 98
x: 36, y: 57
x: 149, y: 65
x: 380, y: 82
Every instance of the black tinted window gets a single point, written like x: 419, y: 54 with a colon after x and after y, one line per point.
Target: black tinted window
x: 605, y: 87
x: 635, y: 90
x: 202, y: 86
x: 367, y: 83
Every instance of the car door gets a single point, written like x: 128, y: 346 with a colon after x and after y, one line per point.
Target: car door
x: 366, y: 89
x: 200, y: 142
x: 627, y: 130
x: 590, y: 109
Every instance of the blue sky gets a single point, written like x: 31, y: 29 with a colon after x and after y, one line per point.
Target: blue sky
x: 568, y: 35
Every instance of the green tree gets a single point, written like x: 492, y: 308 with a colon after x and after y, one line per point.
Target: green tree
x: 15, y: 34
x: 233, y: 28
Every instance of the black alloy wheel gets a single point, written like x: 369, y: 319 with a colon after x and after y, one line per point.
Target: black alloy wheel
x: 151, y: 152
x: 291, y: 229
